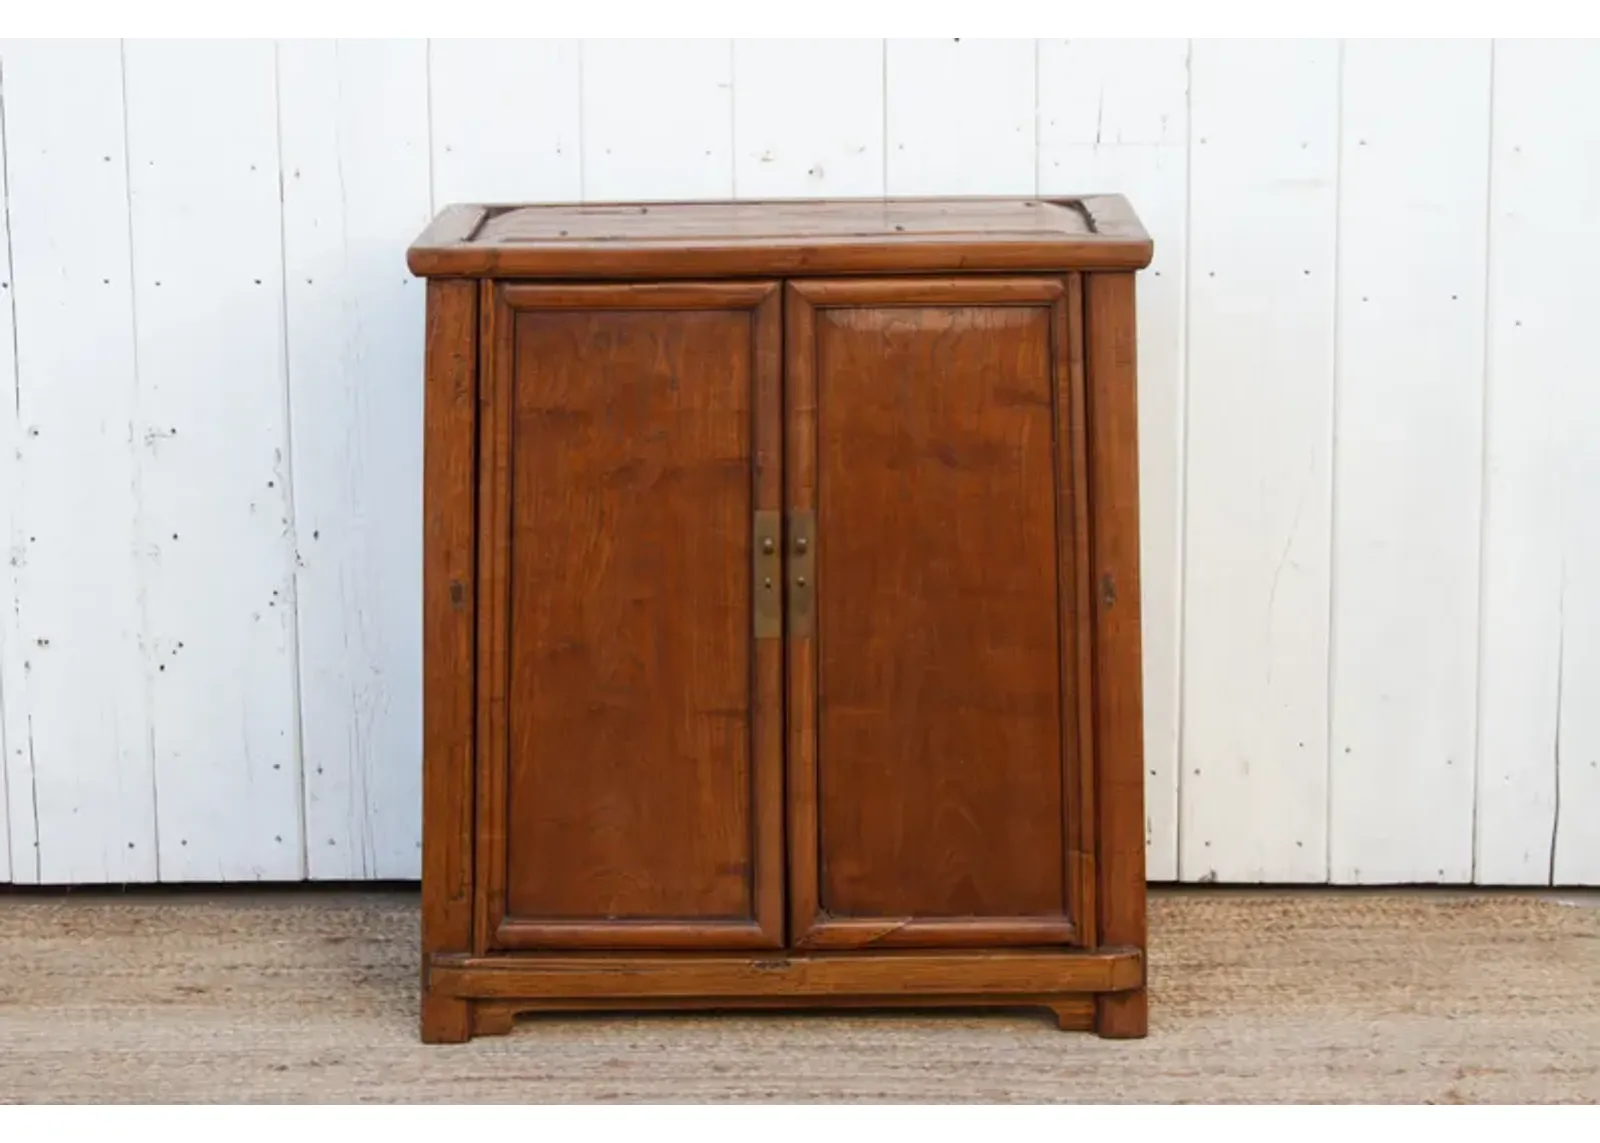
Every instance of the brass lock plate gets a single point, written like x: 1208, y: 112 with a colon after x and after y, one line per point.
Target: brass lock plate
x: 768, y: 574
x: 802, y: 580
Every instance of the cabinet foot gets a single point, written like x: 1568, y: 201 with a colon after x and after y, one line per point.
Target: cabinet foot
x: 1073, y: 1013
x: 445, y: 1019
x: 490, y: 1019
x: 1122, y: 1015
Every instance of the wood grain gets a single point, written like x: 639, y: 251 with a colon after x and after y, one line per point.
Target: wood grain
x: 493, y: 542
x: 716, y: 239
x: 1076, y: 611
x: 638, y: 758
x: 909, y: 220
x: 692, y: 976
x: 940, y: 475
x: 1113, y: 410
x: 448, y: 612
x: 939, y: 761
x: 923, y: 931
x: 497, y: 1017
x: 800, y: 693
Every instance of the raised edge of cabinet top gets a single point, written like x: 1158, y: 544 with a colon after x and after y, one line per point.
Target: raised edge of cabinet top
x: 792, y: 237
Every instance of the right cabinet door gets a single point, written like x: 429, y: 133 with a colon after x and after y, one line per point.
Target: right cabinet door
x: 937, y: 608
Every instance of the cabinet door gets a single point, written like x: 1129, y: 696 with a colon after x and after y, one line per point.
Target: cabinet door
x: 938, y: 782
x: 630, y: 761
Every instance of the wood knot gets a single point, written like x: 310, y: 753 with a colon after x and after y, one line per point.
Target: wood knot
x: 1108, y: 590
x: 458, y: 593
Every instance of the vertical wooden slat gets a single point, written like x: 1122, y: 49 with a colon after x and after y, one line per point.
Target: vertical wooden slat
x: 491, y: 761
x: 1412, y: 271
x: 10, y: 498
x: 767, y: 702
x: 1113, y: 409
x: 355, y: 158
x: 960, y: 117
x: 1113, y: 117
x: 449, y: 601
x: 657, y: 119
x: 504, y: 120
x: 1261, y: 273
x: 1078, y: 609
x: 1538, y: 790
x: 75, y: 689
x: 800, y: 495
x: 217, y: 528
x: 828, y: 142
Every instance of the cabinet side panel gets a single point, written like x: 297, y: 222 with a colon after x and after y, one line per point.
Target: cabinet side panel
x: 1119, y: 736
x: 448, y: 606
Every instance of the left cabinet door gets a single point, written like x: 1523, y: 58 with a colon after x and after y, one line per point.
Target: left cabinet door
x: 630, y: 764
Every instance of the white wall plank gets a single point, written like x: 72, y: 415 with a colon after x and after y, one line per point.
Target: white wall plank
x: 1576, y: 858
x: 78, y: 760
x: 828, y: 143
x: 961, y: 117
x: 1113, y: 116
x: 355, y: 147
x: 1539, y: 733
x: 1412, y: 256
x: 1260, y: 406
x: 214, y: 467
x: 10, y: 499
x: 657, y: 119
x: 505, y: 120
x: 1540, y: 326
x: 126, y: 762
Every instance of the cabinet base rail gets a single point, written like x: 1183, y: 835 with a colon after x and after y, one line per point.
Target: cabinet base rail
x: 482, y: 995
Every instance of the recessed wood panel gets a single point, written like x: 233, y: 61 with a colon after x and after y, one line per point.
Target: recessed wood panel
x: 941, y: 756
x: 626, y: 240
x: 640, y: 774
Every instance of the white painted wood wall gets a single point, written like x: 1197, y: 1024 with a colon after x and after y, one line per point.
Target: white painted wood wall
x: 1370, y: 391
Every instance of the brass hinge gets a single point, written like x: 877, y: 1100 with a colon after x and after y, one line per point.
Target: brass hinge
x: 802, y: 585
x: 768, y: 582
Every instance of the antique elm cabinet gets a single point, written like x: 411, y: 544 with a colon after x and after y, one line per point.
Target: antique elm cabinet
x: 781, y: 609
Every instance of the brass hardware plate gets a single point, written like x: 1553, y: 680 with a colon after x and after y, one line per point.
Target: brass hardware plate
x: 767, y: 584
x: 802, y: 579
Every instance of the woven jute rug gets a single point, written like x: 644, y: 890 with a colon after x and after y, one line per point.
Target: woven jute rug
x: 311, y: 995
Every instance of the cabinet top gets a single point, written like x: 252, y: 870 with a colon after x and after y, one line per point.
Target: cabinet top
x: 782, y: 238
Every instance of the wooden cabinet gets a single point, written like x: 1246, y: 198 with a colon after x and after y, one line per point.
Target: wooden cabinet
x: 781, y: 610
